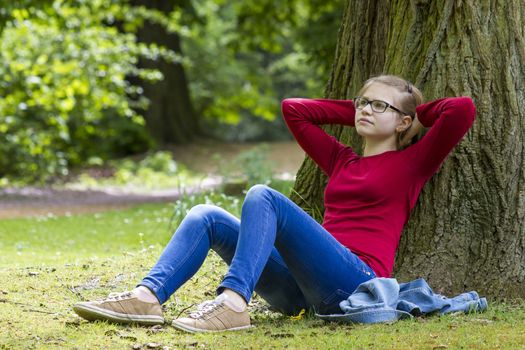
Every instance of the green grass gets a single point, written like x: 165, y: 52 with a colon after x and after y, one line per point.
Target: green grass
x: 49, y: 263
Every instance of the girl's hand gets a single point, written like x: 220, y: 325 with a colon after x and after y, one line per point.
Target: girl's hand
x: 415, y: 128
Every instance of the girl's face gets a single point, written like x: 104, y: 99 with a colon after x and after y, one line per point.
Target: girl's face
x: 376, y: 125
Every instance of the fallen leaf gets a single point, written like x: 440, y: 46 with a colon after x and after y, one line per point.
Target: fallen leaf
x: 299, y: 316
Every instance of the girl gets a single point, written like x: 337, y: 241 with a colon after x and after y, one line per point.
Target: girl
x: 276, y: 248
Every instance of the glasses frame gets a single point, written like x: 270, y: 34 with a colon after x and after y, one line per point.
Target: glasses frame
x: 388, y: 105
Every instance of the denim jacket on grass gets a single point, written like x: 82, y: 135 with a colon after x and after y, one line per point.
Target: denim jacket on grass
x: 386, y: 300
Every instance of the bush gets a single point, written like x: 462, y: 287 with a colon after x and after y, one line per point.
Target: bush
x: 156, y: 170
x: 65, y: 93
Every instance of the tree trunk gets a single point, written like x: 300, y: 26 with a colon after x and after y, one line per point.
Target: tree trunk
x: 170, y: 117
x: 467, y: 230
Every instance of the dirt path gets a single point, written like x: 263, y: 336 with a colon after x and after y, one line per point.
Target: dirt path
x: 286, y: 157
x: 32, y: 201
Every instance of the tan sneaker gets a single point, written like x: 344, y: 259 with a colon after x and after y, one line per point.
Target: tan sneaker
x: 214, y: 316
x: 121, y: 308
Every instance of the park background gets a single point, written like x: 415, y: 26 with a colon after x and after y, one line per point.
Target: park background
x: 116, y: 117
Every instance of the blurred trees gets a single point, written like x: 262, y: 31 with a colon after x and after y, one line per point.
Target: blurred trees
x: 78, y: 77
x: 245, y: 56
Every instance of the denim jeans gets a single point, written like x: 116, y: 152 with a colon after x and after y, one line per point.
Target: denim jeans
x: 386, y: 300
x: 276, y: 249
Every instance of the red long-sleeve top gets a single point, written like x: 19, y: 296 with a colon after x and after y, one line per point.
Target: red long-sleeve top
x: 368, y: 200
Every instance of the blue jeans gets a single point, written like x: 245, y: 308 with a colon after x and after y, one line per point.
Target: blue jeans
x: 276, y: 249
x: 386, y: 300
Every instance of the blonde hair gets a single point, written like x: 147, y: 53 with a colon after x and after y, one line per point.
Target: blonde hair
x: 409, y: 98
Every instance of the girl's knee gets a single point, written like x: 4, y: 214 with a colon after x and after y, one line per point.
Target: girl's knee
x: 200, y: 216
x: 258, y: 191
x: 203, y: 211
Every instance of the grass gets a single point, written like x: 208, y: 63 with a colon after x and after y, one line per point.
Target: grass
x: 49, y: 263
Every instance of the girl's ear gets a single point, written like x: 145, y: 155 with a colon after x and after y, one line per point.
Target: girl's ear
x: 406, y: 121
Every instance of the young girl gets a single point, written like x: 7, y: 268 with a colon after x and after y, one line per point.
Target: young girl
x: 276, y: 248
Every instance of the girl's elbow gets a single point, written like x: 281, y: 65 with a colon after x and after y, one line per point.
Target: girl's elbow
x: 288, y: 106
x: 290, y: 101
x: 468, y: 108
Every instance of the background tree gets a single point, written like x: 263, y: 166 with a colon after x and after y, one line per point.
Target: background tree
x: 170, y: 116
x: 468, y: 228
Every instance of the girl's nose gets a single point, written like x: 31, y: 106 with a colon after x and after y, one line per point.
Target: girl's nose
x: 367, y: 110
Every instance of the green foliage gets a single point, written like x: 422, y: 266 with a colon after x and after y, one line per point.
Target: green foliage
x: 311, y: 25
x: 249, y: 167
x: 156, y: 170
x: 65, y: 93
x: 316, y: 34
x: 255, y: 165
x: 7, y: 7
x: 161, y: 161
x: 261, y: 53
x: 66, y: 97
x: 225, y: 84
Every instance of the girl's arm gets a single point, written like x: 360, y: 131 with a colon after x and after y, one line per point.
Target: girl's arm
x: 449, y: 119
x: 303, y: 117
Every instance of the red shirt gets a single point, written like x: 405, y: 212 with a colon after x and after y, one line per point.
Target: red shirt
x: 368, y: 200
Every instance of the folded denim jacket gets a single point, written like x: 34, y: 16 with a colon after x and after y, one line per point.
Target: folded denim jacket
x: 386, y: 300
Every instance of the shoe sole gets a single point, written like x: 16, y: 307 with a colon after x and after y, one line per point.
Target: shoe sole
x: 190, y: 329
x: 93, y: 313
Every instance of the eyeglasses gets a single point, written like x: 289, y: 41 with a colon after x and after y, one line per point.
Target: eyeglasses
x: 378, y: 106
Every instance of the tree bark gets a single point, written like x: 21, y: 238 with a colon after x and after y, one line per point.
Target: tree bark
x: 467, y: 230
x: 170, y: 117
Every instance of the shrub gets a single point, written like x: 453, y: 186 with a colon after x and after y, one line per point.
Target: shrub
x: 65, y: 93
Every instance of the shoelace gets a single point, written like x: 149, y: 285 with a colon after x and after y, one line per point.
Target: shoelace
x: 118, y: 296
x: 205, y: 308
